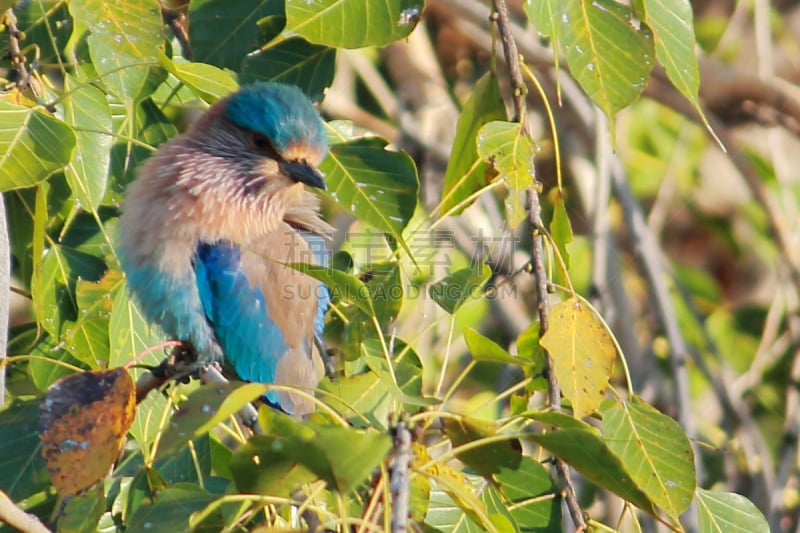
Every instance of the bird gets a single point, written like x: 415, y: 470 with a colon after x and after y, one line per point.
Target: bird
x: 208, y: 226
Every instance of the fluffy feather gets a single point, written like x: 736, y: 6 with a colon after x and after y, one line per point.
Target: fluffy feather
x: 208, y: 224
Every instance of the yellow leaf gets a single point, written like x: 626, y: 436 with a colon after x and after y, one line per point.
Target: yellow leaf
x: 583, y: 354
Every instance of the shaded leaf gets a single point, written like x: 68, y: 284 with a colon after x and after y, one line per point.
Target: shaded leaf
x: 489, y: 458
x: 83, y: 421
x: 22, y: 468
x: 35, y: 145
x: 294, y: 61
x: 655, y: 451
x: 455, y: 289
x: 583, y: 354
x: 526, y: 490
x: 511, y: 151
x: 352, y: 23
x: 465, y: 173
x: 560, y: 226
x: 222, y: 33
x: 728, y: 512
x: 290, y: 453
x: 172, y: 510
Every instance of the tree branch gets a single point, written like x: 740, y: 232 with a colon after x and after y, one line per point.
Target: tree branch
x: 535, y: 218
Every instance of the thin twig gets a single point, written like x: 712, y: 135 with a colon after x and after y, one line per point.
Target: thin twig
x: 399, y: 481
x: 17, y: 518
x: 5, y: 287
x: 535, y: 217
x: 15, y: 52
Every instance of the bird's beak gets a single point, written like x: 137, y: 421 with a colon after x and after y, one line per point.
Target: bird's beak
x: 302, y: 172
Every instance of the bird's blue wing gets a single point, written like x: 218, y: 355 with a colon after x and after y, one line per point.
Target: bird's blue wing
x: 250, y: 340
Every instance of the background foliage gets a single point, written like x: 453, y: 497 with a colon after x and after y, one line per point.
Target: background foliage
x: 659, y: 273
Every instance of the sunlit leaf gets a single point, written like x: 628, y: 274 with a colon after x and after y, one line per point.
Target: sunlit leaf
x: 34, y: 146
x: 376, y: 185
x: 207, y: 81
x: 511, y: 151
x: 125, y: 42
x: 485, y: 349
x: 465, y: 173
x: 581, y: 446
x: 727, y: 512
x: 130, y: 334
x: 86, y: 110
x: 673, y: 34
x: 608, y: 55
x: 83, y: 421
x: 583, y: 354
x: 655, y: 451
x: 352, y: 23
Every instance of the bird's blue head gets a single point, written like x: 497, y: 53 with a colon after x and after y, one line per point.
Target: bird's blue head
x: 282, y: 114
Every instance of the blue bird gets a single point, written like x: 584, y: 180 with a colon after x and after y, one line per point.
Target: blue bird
x: 208, y: 225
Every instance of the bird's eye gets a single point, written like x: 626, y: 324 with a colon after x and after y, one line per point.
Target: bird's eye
x: 260, y: 141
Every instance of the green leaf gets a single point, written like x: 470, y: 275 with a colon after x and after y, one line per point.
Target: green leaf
x: 582, y: 447
x: 560, y: 227
x: 294, y: 61
x: 206, y: 81
x: 125, y: 42
x: 342, y: 286
x: 511, y: 151
x: 465, y: 172
x: 130, y: 334
x: 369, y: 398
x: 488, y: 459
x: 455, y: 289
x: 545, y: 15
x: 727, y: 512
x: 444, y: 515
x: 35, y: 145
x: 22, y: 469
x: 655, y: 451
x: 195, y: 413
x: 385, y: 289
x: 172, y: 509
x: 607, y: 54
x: 82, y: 513
x: 86, y: 110
x: 379, y: 187
x: 61, y: 268
x: 583, y: 353
x: 673, y: 32
x: 525, y: 490
x: 485, y: 349
x: 222, y: 33
x: 352, y: 23
x: 290, y: 453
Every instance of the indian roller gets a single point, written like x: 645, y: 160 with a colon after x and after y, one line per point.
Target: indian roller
x: 207, y: 229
